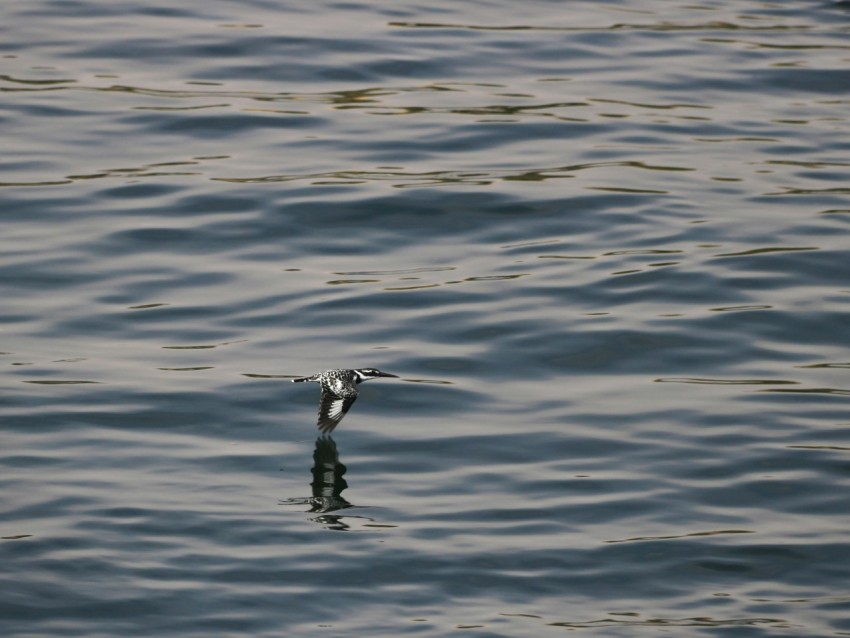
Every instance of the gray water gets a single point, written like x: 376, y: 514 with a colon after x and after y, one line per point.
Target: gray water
x: 603, y: 244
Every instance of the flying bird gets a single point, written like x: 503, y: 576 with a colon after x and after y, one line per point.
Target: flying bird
x: 339, y: 392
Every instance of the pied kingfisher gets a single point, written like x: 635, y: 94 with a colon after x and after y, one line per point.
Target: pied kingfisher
x: 339, y: 392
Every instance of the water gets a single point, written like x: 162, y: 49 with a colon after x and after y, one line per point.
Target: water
x: 604, y: 245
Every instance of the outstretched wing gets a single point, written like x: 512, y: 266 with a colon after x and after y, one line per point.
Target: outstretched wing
x: 331, y: 410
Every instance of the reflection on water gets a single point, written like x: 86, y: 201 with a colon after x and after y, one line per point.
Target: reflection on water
x: 327, y: 485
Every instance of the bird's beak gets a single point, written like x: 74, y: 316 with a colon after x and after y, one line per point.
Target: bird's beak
x: 387, y: 374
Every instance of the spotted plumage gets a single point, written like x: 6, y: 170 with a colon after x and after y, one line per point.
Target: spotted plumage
x: 339, y: 392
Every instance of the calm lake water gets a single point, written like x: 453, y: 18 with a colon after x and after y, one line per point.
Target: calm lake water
x: 604, y: 245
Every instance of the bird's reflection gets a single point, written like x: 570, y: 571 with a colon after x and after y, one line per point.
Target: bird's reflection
x: 328, y: 477
x: 327, y: 486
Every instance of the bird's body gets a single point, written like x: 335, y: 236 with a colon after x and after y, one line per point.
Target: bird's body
x: 339, y: 392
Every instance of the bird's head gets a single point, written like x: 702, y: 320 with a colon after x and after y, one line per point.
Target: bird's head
x: 365, y: 374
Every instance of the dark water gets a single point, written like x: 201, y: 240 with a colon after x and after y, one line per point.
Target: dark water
x: 604, y: 244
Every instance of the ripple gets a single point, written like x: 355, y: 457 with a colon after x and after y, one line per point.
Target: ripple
x: 741, y: 308
x: 726, y: 381
x: 58, y: 381
x: 680, y: 536
x: 826, y: 365
x: 602, y: 248
x: 766, y: 251
x: 831, y: 391
x: 407, y: 271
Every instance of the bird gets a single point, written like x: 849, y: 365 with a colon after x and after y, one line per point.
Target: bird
x: 339, y: 392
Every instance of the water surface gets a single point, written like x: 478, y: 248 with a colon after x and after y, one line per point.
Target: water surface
x: 603, y: 244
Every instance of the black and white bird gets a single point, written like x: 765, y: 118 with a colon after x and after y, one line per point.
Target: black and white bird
x: 339, y: 392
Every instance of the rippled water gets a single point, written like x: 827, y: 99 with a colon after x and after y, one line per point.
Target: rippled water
x: 604, y: 244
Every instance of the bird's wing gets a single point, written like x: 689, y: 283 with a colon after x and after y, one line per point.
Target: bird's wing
x: 331, y: 410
